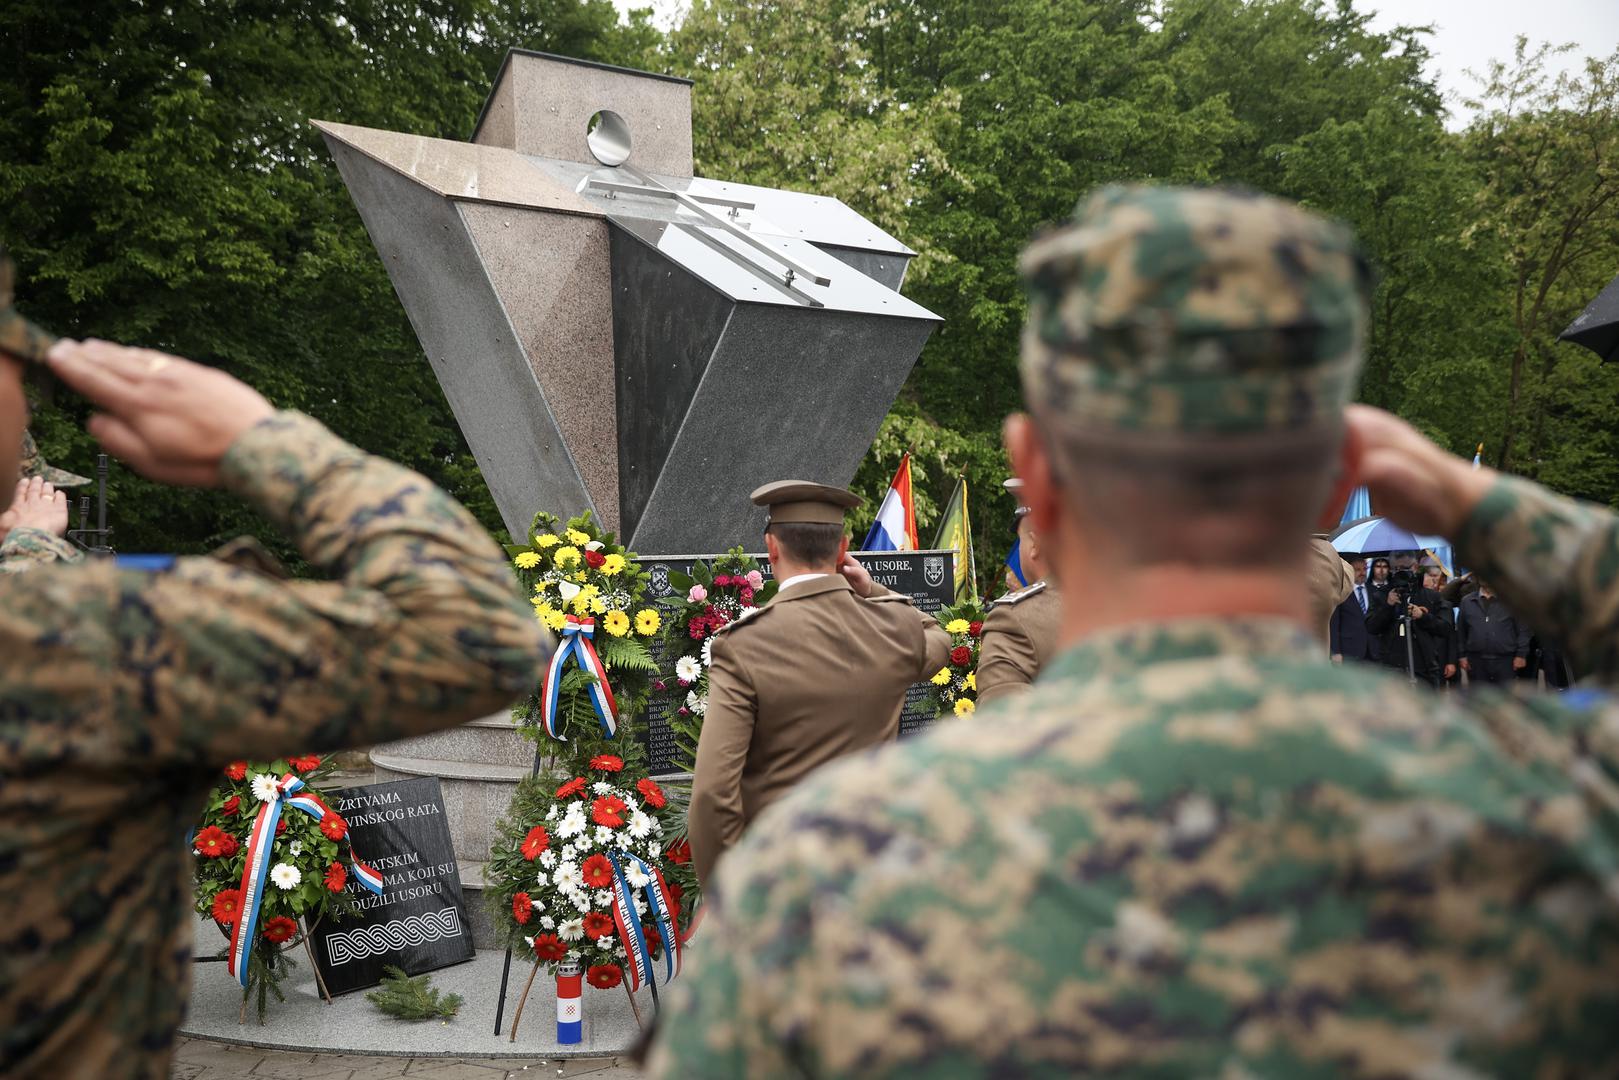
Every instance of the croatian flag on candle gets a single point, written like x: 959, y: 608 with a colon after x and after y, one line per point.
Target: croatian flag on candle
x: 570, y: 1005
x: 895, y: 527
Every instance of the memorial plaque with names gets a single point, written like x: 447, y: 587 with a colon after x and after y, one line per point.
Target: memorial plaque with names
x: 419, y: 923
x: 927, y: 577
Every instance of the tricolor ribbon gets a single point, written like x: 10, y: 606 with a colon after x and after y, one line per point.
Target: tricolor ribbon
x: 576, y: 642
x: 629, y: 923
x: 257, y: 868
x: 629, y: 928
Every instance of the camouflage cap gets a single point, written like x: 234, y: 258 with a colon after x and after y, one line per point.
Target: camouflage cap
x: 32, y: 463
x: 19, y: 338
x: 1197, y: 311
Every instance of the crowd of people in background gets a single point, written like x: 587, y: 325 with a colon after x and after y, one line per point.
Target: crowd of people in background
x: 1408, y: 613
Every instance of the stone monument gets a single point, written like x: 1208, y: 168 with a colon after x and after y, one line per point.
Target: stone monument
x: 616, y: 334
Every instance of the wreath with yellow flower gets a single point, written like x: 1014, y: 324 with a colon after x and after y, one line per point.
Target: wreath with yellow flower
x: 576, y: 571
x: 953, y: 689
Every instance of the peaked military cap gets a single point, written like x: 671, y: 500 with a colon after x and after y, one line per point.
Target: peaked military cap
x: 19, y: 338
x: 32, y: 463
x: 1014, y: 485
x: 804, y: 500
x: 1198, y: 311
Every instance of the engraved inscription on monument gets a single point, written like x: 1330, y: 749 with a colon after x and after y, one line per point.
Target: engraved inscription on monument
x: 927, y: 577
x: 420, y: 920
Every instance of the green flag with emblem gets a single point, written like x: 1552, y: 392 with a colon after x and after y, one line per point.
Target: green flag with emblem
x: 955, y: 532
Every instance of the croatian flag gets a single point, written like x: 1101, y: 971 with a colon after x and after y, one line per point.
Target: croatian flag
x: 895, y: 527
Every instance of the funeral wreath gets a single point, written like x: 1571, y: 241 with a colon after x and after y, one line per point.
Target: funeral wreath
x: 953, y: 689
x: 708, y: 598
x: 589, y: 591
x: 271, y: 860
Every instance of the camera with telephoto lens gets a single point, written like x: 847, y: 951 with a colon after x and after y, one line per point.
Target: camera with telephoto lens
x: 1403, y: 583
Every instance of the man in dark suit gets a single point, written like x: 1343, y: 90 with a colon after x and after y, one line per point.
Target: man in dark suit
x: 1350, y: 640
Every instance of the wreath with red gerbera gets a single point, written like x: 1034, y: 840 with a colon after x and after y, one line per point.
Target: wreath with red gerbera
x: 551, y: 878
x: 310, y: 861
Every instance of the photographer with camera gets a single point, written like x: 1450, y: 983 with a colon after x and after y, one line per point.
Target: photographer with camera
x: 1412, y: 626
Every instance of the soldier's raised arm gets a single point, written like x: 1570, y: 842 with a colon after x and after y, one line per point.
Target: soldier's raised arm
x: 204, y: 662
x: 1553, y: 560
x: 934, y: 651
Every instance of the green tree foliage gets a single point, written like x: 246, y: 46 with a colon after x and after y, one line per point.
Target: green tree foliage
x: 1547, y: 150
x: 161, y: 185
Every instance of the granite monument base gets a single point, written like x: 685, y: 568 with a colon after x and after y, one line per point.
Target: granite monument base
x: 352, y: 1025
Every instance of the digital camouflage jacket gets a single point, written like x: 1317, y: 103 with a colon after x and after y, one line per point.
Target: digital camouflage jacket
x: 126, y: 692
x: 1199, y: 849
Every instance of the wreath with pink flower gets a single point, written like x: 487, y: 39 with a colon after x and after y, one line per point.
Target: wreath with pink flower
x: 708, y: 598
x: 308, y: 866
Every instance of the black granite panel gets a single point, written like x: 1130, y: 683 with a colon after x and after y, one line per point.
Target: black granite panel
x: 790, y: 393
x: 666, y: 324
x: 881, y: 266
x: 419, y: 923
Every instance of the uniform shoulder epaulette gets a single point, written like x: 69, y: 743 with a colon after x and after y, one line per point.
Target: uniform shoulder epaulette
x: 740, y: 619
x: 1021, y: 595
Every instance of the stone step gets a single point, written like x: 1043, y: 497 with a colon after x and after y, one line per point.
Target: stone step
x: 494, y: 740
x: 478, y: 914
x: 476, y: 794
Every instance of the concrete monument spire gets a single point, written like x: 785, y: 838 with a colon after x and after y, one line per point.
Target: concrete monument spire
x: 615, y: 333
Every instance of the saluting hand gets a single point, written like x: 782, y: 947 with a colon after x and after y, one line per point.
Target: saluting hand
x: 858, y: 577
x: 1413, y: 481
x: 36, y: 505
x: 167, y: 418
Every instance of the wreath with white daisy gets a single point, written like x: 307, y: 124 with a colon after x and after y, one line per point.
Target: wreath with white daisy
x: 311, y: 867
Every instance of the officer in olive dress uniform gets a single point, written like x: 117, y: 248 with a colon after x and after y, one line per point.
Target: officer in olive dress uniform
x: 1020, y: 629
x: 819, y: 672
x: 1197, y: 847
x: 124, y: 693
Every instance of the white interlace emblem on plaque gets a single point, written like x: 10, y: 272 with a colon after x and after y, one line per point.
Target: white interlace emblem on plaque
x: 394, y: 934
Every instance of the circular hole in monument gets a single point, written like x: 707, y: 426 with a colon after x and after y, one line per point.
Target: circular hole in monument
x: 608, y: 137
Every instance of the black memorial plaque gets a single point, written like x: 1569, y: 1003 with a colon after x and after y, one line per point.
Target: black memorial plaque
x: 927, y: 577
x: 419, y: 923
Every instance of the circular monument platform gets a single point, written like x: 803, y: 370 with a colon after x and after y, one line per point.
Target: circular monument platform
x: 352, y: 1025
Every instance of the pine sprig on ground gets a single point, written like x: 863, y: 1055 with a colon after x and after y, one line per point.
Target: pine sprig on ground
x: 405, y: 998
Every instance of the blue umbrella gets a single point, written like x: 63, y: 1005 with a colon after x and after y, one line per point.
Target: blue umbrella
x: 1379, y: 534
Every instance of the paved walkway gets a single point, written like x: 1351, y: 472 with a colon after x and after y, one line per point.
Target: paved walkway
x: 200, y: 1059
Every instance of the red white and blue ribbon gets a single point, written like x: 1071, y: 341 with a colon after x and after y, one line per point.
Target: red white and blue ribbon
x: 629, y: 928
x: 629, y: 923
x: 664, y: 916
x: 576, y: 643
x: 256, y: 870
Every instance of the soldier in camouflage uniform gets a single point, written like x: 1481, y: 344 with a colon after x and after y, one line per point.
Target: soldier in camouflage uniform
x: 33, y: 530
x: 29, y: 542
x: 1197, y: 848
x: 126, y: 692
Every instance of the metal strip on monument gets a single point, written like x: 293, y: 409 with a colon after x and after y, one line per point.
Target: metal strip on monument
x: 927, y: 577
